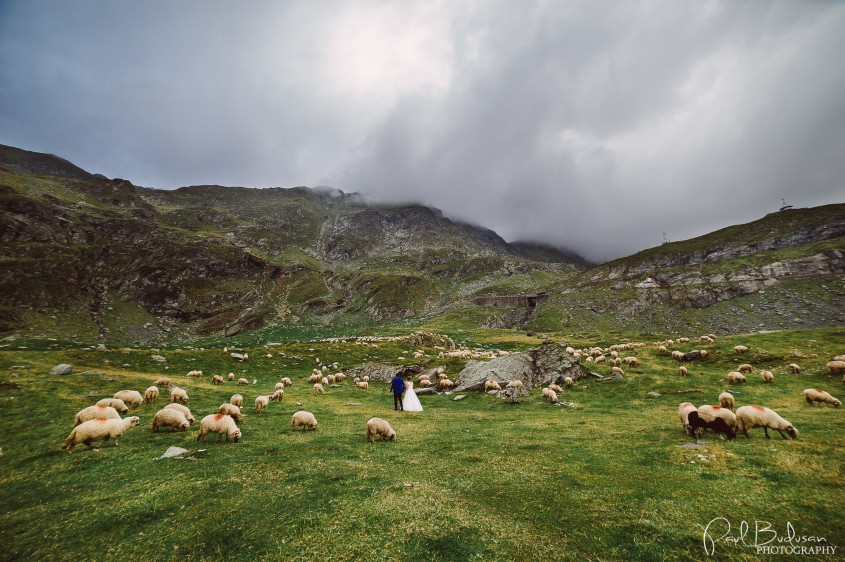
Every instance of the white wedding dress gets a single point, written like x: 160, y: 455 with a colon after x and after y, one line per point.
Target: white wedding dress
x: 410, y: 403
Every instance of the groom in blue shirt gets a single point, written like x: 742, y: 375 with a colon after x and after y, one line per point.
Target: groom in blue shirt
x: 397, y: 387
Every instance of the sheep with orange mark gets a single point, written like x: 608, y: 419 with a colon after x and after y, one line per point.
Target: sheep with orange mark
x: 170, y: 417
x: 813, y: 395
x: 94, y: 412
x: 99, y: 429
x: 221, y: 425
x: 749, y: 417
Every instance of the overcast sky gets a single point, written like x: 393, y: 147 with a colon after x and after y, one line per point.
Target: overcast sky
x: 592, y: 125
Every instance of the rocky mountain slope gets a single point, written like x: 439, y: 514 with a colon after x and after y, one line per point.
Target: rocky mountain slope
x: 83, y: 257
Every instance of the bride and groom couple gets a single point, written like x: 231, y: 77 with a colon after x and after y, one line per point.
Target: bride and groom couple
x: 408, y: 403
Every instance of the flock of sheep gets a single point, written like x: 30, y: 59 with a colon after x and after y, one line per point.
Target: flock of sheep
x: 102, y: 421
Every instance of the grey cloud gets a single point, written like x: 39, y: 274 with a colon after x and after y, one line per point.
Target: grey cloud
x: 591, y: 125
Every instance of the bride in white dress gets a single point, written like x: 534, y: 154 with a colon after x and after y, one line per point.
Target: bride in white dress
x: 410, y: 403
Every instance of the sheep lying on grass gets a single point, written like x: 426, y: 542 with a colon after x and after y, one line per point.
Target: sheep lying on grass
x: 378, y: 426
x: 749, y: 417
x: 94, y: 412
x: 221, y: 425
x: 170, y: 417
x: 303, y: 418
x: 813, y: 395
x: 183, y: 409
x: 99, y: 430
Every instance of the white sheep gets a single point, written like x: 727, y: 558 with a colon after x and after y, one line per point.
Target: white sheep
x: 740, y: 349
x: 170, y: 417
x: 815, y: 395
x: 794, y: 368
x: 194, y: 374
x: 767, y: 376
x: 183, y: 409
x: 682, y: 371
x: 366, y: 378
x: 736, y: 378
x: 490, y: 385
x: 94, y: 412
x: 217, y: 379
x: 243, y: 382
x: 279, y: 386
x: 425, y: 383
x: 749, y: 417
x: 662, y: 350
x: 745, y: 368
x: 286, y: 381
x: 131, y: 398
x: 151, y: 395
x: 632, y: 361
x: 278, y: 395
x: 99, y: 430
x: 362, y: 385
x: 678, y: 356
x: 230, y: 410
x: 220, y: 424
x: 378, y: 426
x: 718, y: 412
x: 617, y: 370
x: 835, y: 367
x: 599, y: 359
x: 314, y: 378
x: 115, y: 403
x: 445, y: 384
x: 318, y: 389
x: 726, y: 400
x: 178, y: 394
x: 550, y: 394
x: 839, y: 358
x: 569, y: 382
x: 683, y: 412
x: 324, y: 381
x: 237, y: 400
x: 516, y: 383
x: 162, y: 381
x: 231, y: 376
x: 260, y: 403
x: 303, y: 418
x: 556, y: 388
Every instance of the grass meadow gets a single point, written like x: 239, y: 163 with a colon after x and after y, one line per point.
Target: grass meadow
x: 472, y: 479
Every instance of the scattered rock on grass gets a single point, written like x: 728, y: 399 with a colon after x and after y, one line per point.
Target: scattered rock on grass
x: 62, y: 369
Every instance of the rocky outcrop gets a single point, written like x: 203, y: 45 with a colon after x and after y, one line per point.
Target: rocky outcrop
x: 541, y: 366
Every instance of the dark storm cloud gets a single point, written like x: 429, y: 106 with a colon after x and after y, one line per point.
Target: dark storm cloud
x: 592, y: 125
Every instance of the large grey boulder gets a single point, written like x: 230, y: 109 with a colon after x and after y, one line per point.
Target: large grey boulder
x: 62, y: 369
x: 547, y: 364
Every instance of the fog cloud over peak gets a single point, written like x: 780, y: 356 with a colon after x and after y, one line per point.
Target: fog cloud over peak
x: 595, y: 126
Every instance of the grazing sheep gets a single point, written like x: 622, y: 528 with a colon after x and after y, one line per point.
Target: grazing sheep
x: 682, y: 371
x: 599, y: 359
x: 556, y: 388
x: 99, y: 429
x: 749, y: 417
x: 366, y: 378
x: 515, y: 383
x: 662, y: 350
x: 683, y: 412
x: 318, y: 389
x: 243, y: 382
x: 217, y: 379
x: 231, y: 376
x: 835, y: 367
x: 286, y: 381
x: 314, y: 378
x: 362, y: 385
x: 704, y: 353
x: 740, y: 349
x: 378, y: 426
x: 793, y: 368
x: 183, y: 409
x: 303, y: 418
x: 491, y: 385
x: 745, y: 368
x: 726, y: 400
x: 237, y: 400
x: 767, y: 376
x: 162, y: 381
x: 339, y: 377
x: 442, y: 376
x: 194, y: 374
x: 330, y: 379
x: 278, y: 386
x: 151, y: 395
x: 617, y: 370
x: 260, y: 403
x: 570, y: 350
x: 221, y: 425
x: 736, y: 378
x: 425, y: 383
x: 815, y: 395
x: 94, y: 412
x: 230, y: 410
x: 569, y: 382
x: 179, y: 395
x: 325, y: 381
x: 632, y: 361
x: 277, y: 395
x: 839, y: 358
x: 170, y: 417
x: 131, y: 398
x: 683, y: 340
x: 697, y: 421
x: 678, y: 356
x: 445, y: 384
x: 718, y: 412
x: 550, y: 394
